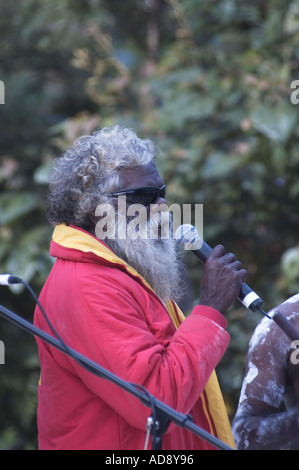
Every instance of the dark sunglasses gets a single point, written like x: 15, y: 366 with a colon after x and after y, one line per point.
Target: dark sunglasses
x: 146, y: 195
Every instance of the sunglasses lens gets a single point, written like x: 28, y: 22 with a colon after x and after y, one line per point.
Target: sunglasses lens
x: 145, y: 196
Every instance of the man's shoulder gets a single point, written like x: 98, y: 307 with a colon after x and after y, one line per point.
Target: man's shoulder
x: 104, y: 277
x: 103, y: 272
x: 290, y: 307
x: 267, y: 333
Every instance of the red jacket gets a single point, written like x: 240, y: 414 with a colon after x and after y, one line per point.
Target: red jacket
x: 106, y: 311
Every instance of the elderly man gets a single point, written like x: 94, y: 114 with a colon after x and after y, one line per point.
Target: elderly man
x: 113, y: 299
x: 268, y: 413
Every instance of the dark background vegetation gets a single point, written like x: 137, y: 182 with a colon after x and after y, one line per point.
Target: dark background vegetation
x: 210, y: 82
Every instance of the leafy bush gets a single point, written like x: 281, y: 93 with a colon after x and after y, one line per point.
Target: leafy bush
x: 210, y: 83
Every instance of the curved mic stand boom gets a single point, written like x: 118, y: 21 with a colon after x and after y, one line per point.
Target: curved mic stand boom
x: 162, y: 414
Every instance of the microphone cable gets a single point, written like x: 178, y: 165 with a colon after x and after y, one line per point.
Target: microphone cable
x: 10, y: 280
x: 7, y: 279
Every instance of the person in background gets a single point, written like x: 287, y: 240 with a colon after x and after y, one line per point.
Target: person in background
x: 113, y: 298
x: 267, y: 417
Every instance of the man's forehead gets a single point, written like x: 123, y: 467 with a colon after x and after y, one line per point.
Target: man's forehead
x: 145, y: 175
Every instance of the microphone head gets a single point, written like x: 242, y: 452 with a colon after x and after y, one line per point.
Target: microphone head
x: 187, y: 236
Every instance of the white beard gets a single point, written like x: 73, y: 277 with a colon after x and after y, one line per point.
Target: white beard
x: 157, y: 260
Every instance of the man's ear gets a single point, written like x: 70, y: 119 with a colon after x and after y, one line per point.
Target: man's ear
x: 93, y: 220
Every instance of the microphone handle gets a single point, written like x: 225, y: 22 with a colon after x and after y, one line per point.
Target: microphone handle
x: 248, y: 298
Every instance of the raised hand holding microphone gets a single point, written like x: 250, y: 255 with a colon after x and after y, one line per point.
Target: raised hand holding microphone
x: 222, y: 279
x: 187, y: 236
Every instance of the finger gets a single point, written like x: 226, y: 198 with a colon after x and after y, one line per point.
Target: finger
x: 236, y: 265
x: 218, y: 251
x: 229, y: 257
x: 243, y: 274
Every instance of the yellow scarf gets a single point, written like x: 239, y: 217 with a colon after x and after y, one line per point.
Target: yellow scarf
x: 212, y: 399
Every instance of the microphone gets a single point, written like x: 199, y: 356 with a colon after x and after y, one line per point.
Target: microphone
x: 187, y: 236
x: 8, y: 279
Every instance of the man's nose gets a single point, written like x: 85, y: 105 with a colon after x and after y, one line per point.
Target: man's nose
x: 160, y: 205
x: 161, y: 200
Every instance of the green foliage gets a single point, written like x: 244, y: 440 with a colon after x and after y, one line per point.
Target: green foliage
x: 210, y: 83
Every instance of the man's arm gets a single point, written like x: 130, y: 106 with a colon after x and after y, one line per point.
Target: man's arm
x: 262, y: 421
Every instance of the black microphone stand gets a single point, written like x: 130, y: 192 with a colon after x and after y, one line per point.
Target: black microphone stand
x: 162, y: 414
